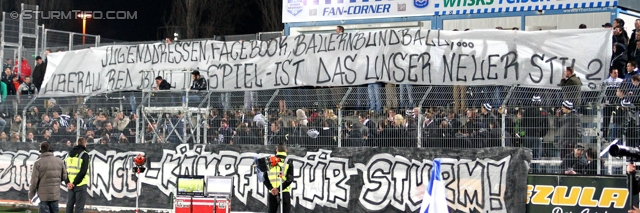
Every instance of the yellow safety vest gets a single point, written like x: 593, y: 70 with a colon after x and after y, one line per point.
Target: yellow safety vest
x: 274, y: 173
x: 73, y: 168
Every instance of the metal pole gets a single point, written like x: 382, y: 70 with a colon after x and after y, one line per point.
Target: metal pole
x: 97, y: 41
x: 344, y: 98
x: 420, y: 117
x: 504, y: 112
x: 266, y: 118
x: 24, y: 120
x: 138, y: 140
x: 20, y: 46
x: 37, y: 30
x: 71, y: 41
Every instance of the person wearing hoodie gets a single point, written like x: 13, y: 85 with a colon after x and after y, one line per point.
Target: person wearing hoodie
x: 78, y: 176
x: 619, y: 57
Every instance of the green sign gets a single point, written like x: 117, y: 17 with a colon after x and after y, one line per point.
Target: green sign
x: 562, y: 193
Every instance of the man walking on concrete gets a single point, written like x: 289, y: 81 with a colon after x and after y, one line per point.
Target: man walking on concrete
x: 78, y: 178
x: 48, y: 173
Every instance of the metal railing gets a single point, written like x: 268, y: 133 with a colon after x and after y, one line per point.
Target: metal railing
x: 561, y: 139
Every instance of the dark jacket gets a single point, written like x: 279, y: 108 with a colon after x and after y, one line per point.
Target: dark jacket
x: 164, y: 85
x: 570, y: 129
x: 83, y: 168
x: 619, y: 58
x: 570, y: 161
x: 535, y: 122
x: 200, y: 84
x: 48, y: 172
x: 38, y: 75
x: 571, y: 89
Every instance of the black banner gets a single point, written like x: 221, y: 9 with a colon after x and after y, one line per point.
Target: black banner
x: 584, y: 194
x: 326, y: 180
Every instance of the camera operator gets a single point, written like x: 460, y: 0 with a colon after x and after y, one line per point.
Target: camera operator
x: 631, y: 170
x: 631, y: 122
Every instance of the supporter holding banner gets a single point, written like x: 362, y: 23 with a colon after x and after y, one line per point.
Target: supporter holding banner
x: 532, y: 59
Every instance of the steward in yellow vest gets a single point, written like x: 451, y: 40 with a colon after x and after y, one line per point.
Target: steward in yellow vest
x: 77, y: 176
x: 281, y: 173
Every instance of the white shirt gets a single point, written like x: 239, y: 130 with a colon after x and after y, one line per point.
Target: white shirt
x: 365, y: 122
x: 610, y: 82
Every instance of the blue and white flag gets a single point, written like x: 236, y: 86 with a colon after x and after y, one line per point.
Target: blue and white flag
x: 435, y: 200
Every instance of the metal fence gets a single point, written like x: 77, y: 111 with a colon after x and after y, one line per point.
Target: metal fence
x: 562, y: 139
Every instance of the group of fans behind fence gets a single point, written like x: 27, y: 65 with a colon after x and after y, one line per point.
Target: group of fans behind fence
x: 450, y: 116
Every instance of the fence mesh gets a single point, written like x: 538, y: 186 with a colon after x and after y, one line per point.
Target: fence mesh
x: 563, y: 138
x: 11, y: 28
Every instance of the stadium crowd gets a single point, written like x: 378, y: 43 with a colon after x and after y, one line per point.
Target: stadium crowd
x: 378, y: 114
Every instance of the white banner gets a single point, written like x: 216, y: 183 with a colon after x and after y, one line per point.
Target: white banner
x: 496, y: 57
x: 325, y: 10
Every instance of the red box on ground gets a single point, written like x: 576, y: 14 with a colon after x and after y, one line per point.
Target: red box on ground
x: 201, y: 205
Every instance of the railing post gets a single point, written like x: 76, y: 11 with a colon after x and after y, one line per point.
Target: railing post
x: 24, y: 120
x: 344, y: 98
x: 71, y: 41
x: 503, y: 112
x: 266, y: 117
x: 420, y: 117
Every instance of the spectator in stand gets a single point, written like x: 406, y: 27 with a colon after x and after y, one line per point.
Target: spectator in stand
x: 91, y: 118
x: 635, y: 54
x: 632, y: 39
x: 371, y: 128
x: 619, y: 23
x: 162, y: 84
x: 16, y: 84
x: 570, y: 128
x: 26, y: 91
x: 339, y: 29
x: 276, y: 136
x: 16, y: 124
x: 592, y: 162
x: 612, y: 83
x: 607, y: 25
x: 573, y: 162
x: 582, y: 26
x: 571, y: 87
x: 62, y: 119
x: 14, y: 138
x: 107, y: 130
x: 7, y: 64
x: 3, y: 137
x: 7, y: 78
x: 121, y: 122
x: 39, y: 72
x: 71, y: 131
x: 614, y: 80
x: 26, y: 69
x: 45, y: 123
x: 56, y: 133
x: 46, y: 136
x: 53, y: 107
x: 90, y: 136
x: 620, y: 36
x: 632, y: 48
x: 486, y: 116
x: 632, y: 70
x: 225, y: 133
x: 100, y: 121
x: 619, y: 57
x: 30, y: 138
x: 631, y: 91
x: 200, y: 84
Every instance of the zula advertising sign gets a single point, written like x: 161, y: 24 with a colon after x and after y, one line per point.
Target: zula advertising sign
x: 326, y: 10
x: 577, y: 194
